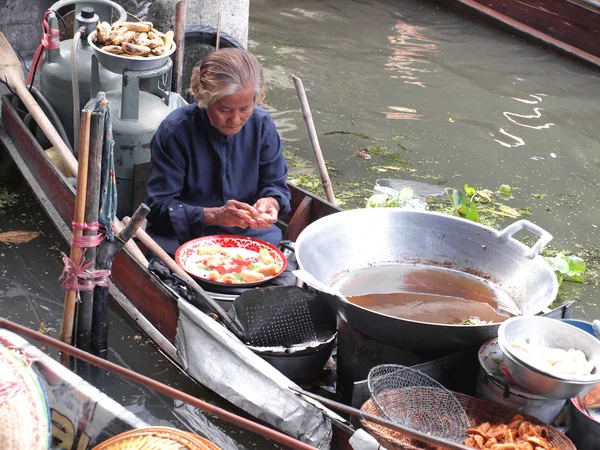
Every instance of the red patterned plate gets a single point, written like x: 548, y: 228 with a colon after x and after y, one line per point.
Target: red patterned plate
x: 231, y: 260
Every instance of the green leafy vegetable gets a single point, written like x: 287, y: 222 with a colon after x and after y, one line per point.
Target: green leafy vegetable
x: 567, y: 268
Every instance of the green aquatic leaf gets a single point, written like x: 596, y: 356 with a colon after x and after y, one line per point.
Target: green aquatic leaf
x: 471, y: 213
x: 505, y: 190
x: 576, y: 264
x: 469, y: 191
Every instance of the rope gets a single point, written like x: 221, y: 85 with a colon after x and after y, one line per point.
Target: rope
x: 50, y: 41
x: 78, y: 277
x: 88, y: 241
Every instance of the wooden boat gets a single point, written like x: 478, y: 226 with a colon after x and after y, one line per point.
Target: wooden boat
x: 82, y: 416
x: 158, y: 310
x: 569, y: 26
x: 214, y: 357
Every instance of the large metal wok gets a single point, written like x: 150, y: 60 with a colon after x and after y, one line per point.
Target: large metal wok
x: 338, y: 244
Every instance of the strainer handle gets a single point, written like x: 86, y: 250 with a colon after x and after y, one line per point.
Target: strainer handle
x: 544, y: 236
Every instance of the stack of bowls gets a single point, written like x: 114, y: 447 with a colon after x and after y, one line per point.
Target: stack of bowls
x: 553, y: 334
x: 495, y: 384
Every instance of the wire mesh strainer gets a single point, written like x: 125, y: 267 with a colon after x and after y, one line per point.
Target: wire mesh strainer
x: 413, y: 399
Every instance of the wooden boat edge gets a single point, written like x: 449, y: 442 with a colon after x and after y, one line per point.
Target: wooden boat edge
x: 488, y: 13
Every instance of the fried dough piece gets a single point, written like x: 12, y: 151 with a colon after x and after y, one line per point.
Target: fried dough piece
x: 470, y: 442
x: 210, y: 249
x: 229, y: 278
x: 522, y: 445
x: 508, y: 437
x: 491, y: 442
x: 497, y: 431
x: 485, y: 426
x: 503, y: 447
x: 479, y: 440
x: 536, y: 441
x: 265, y: 256
x: 213, y: 275
x: 269, y: 270
x: 251, y: 275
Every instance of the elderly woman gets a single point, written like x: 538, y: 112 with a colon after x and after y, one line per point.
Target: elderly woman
x: 217, y: 165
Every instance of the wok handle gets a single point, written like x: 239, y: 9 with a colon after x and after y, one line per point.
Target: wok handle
x: 536, y: 248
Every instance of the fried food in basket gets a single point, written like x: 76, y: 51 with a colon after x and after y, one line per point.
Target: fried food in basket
x: 518, y: 435
x: 132, y: 39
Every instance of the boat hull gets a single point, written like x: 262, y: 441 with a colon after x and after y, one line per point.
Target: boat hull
x: 569, y: 26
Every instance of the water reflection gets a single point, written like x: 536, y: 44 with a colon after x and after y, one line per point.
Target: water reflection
x: 517, y: 119
x: 412, y: 51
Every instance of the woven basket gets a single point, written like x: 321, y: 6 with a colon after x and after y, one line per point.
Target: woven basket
x: 156, y: 438
x: 478, y: 411
x: 24, y: 412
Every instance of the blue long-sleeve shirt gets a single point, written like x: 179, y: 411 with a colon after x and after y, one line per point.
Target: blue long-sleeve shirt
x: 194, y: 166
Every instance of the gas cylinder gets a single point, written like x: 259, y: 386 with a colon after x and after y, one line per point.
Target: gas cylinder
x: 135, y: 116
x: 55, y: 73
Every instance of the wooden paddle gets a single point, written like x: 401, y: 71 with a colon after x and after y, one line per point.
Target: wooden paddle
x: 206, y: 299
x: 12, y: 73
x: 314, y: 140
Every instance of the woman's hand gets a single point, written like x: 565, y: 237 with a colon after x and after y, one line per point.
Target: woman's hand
x: 268, y: 210
x: 233, y: 214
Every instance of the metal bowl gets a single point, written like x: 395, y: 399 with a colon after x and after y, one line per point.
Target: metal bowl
x: 555, y: 334
x: 303, y: 365
x: 118, y: 64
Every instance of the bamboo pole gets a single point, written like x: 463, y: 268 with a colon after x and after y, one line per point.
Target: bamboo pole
x: 314, y: 140
x: 286, y: 441
x: 180, y: 10
x: 92, y: 204
x: 75, y: 254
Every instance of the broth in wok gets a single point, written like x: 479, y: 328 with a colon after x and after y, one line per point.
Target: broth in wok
x: 427, y: 294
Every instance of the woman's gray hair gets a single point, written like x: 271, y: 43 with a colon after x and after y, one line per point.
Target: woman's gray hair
x: 225, y: 72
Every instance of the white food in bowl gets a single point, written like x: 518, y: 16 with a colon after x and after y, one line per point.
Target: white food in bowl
x: 571, y: 363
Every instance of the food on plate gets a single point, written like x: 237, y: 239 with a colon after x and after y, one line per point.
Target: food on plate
x: 210, y: 249
x: 265, y: 256
x: 232, y: 265
x: 251, y: 276
x: 562, y: 363
x: 518, y: 435
x: 213, y: 275
x: 132, y: 39
x: 592, y: 398
x: 229, y: 278
x: 269, y: 270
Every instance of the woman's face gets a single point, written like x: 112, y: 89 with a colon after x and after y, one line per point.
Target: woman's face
x: 229, y: 114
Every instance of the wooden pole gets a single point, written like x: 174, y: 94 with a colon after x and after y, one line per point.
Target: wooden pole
x: 261, y: 430
x: 75, y: 254
x: 92, y: 205
x: 218, y: 44
x: 314, y: 140
x: 180, y: 10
